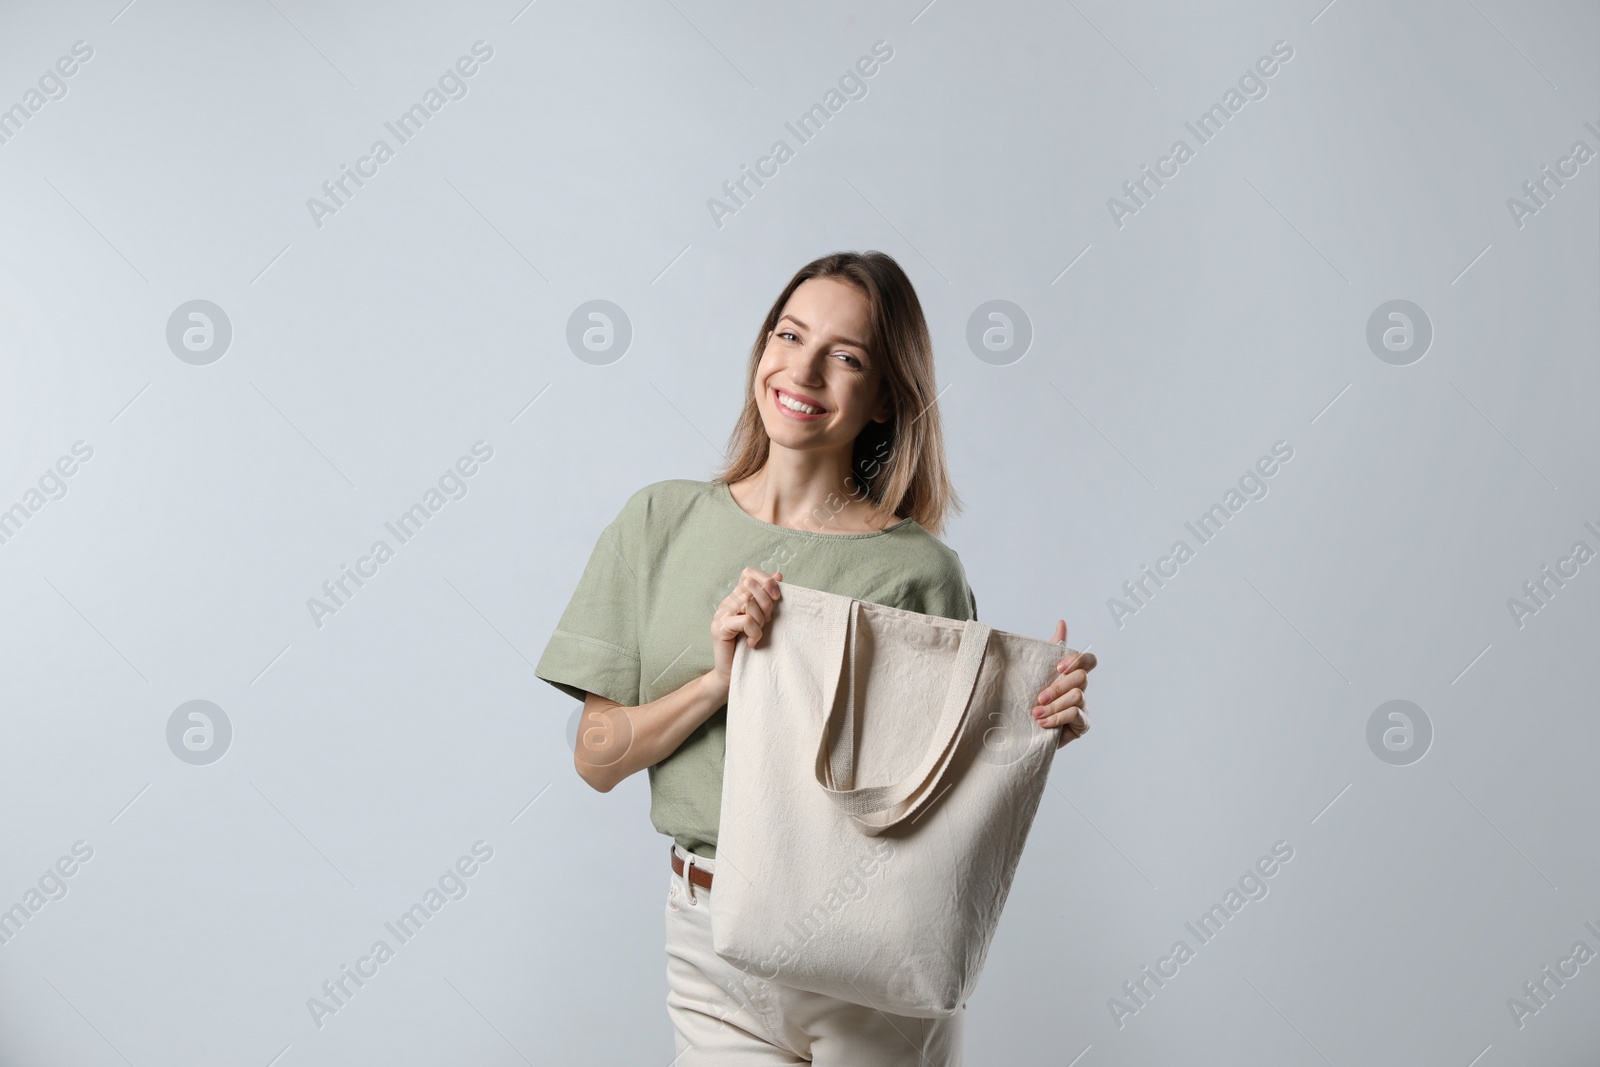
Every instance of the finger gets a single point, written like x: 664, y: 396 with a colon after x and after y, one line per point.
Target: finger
x: 768, y: 581
x: 1059, y: 706
x: 736, y: 625
x: 1075, y: 659
x: 747, y: 624
x: 744, y: 605
x: 744, y: 588
x: 758, y: 609
x: 1065, y: 683
x: 1074, y: 671
x: 1070, y: 716
x: 738, y: 610
x: 1076, y: 679
x: 757, y: 591
x: 1070, y: 726
x: 728, y: 627
x: 1061, y: 633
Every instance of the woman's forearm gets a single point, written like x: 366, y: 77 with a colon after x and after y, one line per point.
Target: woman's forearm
x: 615, y: 741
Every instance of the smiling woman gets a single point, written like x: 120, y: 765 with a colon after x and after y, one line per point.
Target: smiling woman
x: 844, y: 368
x: 837, y: 475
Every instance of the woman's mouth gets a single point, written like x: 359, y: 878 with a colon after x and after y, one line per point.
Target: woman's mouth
x: 797, y: 407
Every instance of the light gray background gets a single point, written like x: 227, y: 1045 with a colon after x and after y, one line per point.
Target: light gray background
x: 368, y: 354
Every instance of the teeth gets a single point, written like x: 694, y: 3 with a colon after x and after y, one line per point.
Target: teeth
x: 795, y: 405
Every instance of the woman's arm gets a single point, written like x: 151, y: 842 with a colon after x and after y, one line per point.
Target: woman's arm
x: 614, y: 741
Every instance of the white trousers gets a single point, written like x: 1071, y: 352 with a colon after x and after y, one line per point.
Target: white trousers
x: 723, y: 1016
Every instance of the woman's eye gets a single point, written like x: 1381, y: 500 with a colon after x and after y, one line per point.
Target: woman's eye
x: 852, y: 359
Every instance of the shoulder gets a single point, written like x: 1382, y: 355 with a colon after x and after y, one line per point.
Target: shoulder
x: 663, y: 499
x: 937, y: 557
x: 660, y: 507
x: 932, y: 575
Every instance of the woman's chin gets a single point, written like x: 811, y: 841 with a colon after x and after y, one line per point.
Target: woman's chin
x: 791, y: 436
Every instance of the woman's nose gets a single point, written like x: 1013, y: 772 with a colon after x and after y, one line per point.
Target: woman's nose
x: 807, y: 367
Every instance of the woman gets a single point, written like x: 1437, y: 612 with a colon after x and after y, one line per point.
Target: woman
x: 837, y: 482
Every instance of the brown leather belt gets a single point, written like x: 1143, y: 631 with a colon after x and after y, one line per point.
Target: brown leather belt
x: 697, y: 875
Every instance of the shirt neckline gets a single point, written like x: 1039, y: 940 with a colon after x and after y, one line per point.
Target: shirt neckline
x: 725, y: 492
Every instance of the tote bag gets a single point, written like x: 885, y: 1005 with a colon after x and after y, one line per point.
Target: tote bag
x: 882, y: 772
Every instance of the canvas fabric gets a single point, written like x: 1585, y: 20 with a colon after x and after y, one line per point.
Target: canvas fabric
x: 723, y: 1017
x: 883, y: 771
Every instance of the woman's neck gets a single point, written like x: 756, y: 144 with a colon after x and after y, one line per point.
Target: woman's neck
x: 822, y: 499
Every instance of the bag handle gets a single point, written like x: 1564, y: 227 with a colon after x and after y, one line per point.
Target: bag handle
x: 876, y: 808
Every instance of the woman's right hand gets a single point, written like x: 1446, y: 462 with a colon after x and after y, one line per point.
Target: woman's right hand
x: 743, y: 613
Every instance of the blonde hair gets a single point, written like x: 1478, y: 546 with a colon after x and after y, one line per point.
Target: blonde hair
x: 900, y: 464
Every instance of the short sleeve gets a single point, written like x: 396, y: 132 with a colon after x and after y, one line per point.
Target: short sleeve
x: 595, y: 646
x: 946, y: 592
x: 965, y: 600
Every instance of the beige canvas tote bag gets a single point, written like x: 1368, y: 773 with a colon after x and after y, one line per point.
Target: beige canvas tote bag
x: 883, y: 769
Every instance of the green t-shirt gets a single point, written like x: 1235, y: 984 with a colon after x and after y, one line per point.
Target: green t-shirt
x: 639, y: 623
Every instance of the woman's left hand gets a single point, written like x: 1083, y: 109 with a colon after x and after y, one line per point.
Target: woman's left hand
x: 1061, y: 702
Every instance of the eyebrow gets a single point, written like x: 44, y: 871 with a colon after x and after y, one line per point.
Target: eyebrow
x: 803, y: 326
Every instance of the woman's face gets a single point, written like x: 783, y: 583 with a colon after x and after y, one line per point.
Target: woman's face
x: 815, y: 356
